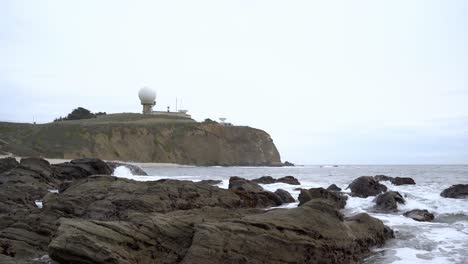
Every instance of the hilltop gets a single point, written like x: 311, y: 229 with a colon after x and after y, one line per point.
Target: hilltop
x: 142, y: 138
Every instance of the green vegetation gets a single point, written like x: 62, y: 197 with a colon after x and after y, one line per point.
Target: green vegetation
x: 80, y: 113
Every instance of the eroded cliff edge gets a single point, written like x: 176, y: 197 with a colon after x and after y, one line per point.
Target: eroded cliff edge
x: 182, y: 142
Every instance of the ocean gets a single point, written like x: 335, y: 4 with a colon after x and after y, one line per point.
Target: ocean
x: 444, y: 240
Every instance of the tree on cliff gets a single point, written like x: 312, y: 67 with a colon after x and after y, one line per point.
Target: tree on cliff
x: 80, y: 113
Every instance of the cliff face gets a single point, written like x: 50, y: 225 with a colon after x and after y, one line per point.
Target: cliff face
x: 182, y: 143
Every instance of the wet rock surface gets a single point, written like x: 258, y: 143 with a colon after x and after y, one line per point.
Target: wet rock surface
x: 456, y: 191
x: 395, y: 180
x: 420, y: 215
x: 388, y: 201
x: 285, y: 196
x: 269, y: 180
x: 105, y: 219
x: 366, y: 186
x: 336, y: 199
x: 7, y: 164
x: 334, y: 188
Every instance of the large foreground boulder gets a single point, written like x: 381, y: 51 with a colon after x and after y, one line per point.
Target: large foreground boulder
x: 366, y: 186
x: 112, y: 198
x: 388, y: 201
x: 456, y: 191
x: 312, y: 233
x: 335, y: 198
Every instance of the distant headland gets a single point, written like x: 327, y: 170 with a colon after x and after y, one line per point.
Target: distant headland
x: 152, y: 136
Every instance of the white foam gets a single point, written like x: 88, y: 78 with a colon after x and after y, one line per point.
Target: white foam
x: 38, y: 203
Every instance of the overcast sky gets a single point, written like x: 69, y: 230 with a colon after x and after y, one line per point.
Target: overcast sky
x: 340, y: 82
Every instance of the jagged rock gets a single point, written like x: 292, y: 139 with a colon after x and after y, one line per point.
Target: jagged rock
x: 388, y: 201
x: 268, y: 180
x: 7, y: 164
x: 143, y: 238
x: 288, y: 164
x: 271, y: 237
x: 112, y: 198
x: 289, y: 180
x: 252, y: 194
x: 265, y: 180
x: 366, y: 186
x: 334, y: 188
x: 315, y: 232
x: 420, y: 215
x: 383, y: 178
x: 334, y: 198
x: 285, y: 196
x: 211, y: 182
x: 82, y: 168
x: 238, y: 183
x: 403, y: 181
x: 456, y: 191
x: 135, y: 170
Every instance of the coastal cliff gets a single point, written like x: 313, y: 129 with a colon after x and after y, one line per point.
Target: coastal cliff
x: 141, y: 139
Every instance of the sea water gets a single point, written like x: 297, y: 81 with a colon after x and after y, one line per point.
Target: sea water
x: 444, y: 240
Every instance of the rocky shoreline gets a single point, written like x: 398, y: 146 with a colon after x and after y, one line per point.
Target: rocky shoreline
x: 88, y: 216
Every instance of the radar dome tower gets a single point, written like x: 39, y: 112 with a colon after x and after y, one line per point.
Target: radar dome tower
x: 148, y: 99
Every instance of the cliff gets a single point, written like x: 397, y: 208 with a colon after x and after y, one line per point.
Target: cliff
x: 134, y: 137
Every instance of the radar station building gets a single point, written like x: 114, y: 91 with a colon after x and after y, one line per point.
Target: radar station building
x: 148, y: 100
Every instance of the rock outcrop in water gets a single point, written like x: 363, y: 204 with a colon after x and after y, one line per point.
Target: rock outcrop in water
x: 366, y: 186
x: 104, y: 219
x: 388, y: 201
x: 456, y: 191
x: 269, y: 180
x: 140, y: 138
x: 420, y: 215
x: 335, y: 198
x: 395, y: 180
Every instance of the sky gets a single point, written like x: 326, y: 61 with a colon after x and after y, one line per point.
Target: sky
x: 332, y: 82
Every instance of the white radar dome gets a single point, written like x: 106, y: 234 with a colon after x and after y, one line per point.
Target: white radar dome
x: 147, y: 95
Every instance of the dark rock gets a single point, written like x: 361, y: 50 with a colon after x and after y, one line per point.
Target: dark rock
x: 315, y: 232
x: 383, y: 178
x: 456, y: 191
x: 82, y: 168
x: 366, y: 186
x: 265, y: 180
x: 388, y: 201
x: 268, y: 180
x: 238, y: 183
x: 211, y: 182
x: 403, y: 181
x: 420, y: 215
x: 289, y: 180
x: 334, y: 198
x: 112, y: 198
x: 334, y: 188
x: 288, y: 164
x: 285, y: 196
x: 135, y: 170
x: 7, y: 164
